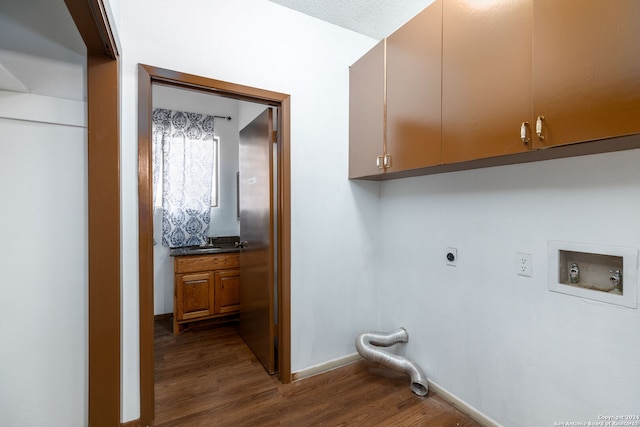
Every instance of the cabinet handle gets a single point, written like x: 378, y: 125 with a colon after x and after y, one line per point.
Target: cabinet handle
x: 539, y: 128
x: 387, y: 161
x: 379, y: 162
x: 523, y: 132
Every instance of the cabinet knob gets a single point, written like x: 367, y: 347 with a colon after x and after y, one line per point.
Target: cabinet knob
x: 379, y: 162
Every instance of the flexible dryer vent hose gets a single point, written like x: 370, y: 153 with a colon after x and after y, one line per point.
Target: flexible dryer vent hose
x: 366, y: 346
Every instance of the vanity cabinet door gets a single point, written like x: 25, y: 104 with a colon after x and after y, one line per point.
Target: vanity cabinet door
x: 227, y: 291
x: 413, y: 73
x: 194, y: 296
x: 486, y: 78
x: 586, y: 69
x: 366, y: 113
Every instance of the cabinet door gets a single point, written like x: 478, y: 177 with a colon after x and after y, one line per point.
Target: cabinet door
x: 194, y: 296
x: 586, y: 69
x: 414, y: 71
x: 486, y: 77
x: 227, y: 291
x: 366, y: 113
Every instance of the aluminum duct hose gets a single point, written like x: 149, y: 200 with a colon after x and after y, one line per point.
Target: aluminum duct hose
x: 365, y: 345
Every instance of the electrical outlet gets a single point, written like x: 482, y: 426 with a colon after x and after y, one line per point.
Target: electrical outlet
x: 452, y: 256
x: 523, y: 265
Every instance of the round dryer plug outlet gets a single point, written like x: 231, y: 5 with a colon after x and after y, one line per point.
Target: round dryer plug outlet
x: 452, y: 256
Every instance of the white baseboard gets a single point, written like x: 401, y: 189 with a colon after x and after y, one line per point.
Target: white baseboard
x: 325, y: 367
x: 435, y: 387
x: 462, y: 406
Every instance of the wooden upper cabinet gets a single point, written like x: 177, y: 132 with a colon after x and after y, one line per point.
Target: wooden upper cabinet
x: 395, y: 100
x: 366, y: 113
x: 586, y: 69
x: 486, y: 78
x: 489, y: 80
x: 414, y: 75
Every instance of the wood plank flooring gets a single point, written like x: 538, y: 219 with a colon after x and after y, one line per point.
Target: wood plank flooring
x: 209, y: 377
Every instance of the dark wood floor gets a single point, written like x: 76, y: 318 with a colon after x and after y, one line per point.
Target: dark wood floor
x: 209, y: 377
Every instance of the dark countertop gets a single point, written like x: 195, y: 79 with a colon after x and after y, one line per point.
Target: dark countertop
x: 203, y: 250
x: 216, y: 245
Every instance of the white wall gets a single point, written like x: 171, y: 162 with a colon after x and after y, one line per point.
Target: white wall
x: 334, y: 221
x: 43, y: 259
x: 522, y: 355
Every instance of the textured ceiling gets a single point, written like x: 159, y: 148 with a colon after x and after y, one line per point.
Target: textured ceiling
x: 373, y: 18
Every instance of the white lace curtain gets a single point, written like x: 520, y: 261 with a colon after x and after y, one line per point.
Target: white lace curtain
x: 184, y: 144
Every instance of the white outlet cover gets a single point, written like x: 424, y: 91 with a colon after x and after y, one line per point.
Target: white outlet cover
x: 523, y: 264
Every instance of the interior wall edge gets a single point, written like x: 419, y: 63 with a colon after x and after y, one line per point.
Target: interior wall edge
x: 42, y: 109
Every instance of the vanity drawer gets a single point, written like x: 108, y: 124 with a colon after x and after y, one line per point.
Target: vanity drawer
x: 195, y: 263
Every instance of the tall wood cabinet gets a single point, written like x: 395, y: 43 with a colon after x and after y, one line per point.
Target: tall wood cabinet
x: 206, y: 287
x: 395, y: 103
x: 517, y: 76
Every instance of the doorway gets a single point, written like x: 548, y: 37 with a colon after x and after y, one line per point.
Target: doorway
x: 148, y: 75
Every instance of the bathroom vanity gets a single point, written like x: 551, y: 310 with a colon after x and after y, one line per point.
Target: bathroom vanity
x: 206, y: 284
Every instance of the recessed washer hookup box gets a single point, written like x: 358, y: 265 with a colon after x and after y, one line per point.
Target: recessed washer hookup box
x: 597, y: 272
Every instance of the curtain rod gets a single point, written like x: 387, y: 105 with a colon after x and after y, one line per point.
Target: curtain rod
x: 223, y: 117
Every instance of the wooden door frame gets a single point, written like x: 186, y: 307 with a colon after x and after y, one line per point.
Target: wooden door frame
x: 147, y: 75
x: 103, y: 140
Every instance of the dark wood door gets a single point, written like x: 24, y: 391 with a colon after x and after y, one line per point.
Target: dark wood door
x: 486, y: 78
x: 257, y: 321
x: 586, y: 69
x: 414, y: 69
x: 366, y: 113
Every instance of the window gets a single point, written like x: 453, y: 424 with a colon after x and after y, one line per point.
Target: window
x: 215, y: 178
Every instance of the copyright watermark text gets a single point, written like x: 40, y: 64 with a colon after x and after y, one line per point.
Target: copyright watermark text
x: 604, y: 421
